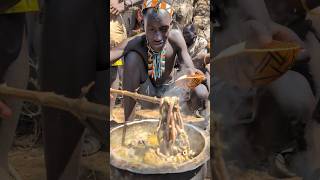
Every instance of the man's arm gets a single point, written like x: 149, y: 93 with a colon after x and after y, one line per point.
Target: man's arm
x: 124, y: 47
x: 5, y: 111
x: 183, y: 53
x: 255, y: 10
x: 117, y: 7
x: 132, y: 2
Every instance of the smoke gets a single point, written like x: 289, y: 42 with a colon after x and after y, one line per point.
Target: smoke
x: 232, y: 110
x: 308, y: 162
x: 174, y: 90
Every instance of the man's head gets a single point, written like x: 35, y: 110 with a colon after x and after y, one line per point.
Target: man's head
x: 284, y: 12
x: 157, y: 24
x: 189, y: 34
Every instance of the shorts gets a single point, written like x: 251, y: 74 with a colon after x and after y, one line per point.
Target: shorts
x: 149, y: 89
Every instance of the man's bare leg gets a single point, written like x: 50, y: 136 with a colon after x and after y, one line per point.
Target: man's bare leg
x: 16, y: 76
x: 70, y: 54
x: 114, y: 83
x: 199, y: 97
x: 134, y: 73
x: 282, y: 114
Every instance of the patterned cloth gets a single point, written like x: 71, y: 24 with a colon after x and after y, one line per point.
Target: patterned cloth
x: 23, y: 6
x: 161, y: 4
x: 199, y: 46
x: 184, y: 13
x: 118, y: 32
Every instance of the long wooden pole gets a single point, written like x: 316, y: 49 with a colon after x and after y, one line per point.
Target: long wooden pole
x: 80, y: 107
x: 137, y: 96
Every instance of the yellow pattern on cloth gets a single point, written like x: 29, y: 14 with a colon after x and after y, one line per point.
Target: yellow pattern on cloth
x: 118, y: 32
x: 23, y: 6
x: 118, y: 63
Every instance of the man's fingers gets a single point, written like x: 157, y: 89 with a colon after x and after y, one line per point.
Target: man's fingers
x: 282, y: 33
x: 111, y: 10
x: 5, y: 111
x: 114, y: 11
x: 303, y: 55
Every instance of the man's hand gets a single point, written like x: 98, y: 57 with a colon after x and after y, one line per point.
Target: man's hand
x: 260, y: 35
x: 5, y: 111
x: 201, y: 60
x: 193, y: 71
x: 116, y: 8
x: 241, y: 70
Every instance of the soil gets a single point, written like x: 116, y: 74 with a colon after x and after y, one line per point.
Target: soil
x: 29, y: 162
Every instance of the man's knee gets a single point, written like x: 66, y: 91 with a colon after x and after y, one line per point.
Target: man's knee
x: 293, y: 94
x: 299, y: 108
x: 133, y: 69
x: 201, y: 91
x: 133, y: 61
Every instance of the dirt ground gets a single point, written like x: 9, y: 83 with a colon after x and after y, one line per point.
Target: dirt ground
x: 250, y: 174
x: 29, y: 162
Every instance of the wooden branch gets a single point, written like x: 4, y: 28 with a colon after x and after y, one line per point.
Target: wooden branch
x: 79, y: 107
x: 137, y: 96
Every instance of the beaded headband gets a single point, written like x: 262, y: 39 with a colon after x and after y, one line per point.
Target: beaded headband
x: 158, y: 4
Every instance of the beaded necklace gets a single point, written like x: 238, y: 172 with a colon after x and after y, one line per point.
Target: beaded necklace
x: 156, y: 62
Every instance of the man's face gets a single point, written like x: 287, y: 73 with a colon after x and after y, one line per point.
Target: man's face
x: 157, y: 26
x: 189, y: 34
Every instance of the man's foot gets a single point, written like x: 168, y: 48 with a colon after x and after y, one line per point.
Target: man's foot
x: 201, y: 113
x: 198, y: 114
x: 280, y: 163
x: 90, y: 145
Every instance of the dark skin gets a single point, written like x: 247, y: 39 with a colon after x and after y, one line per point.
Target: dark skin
x: 282, y: 11
x: 189, y: 34
x: 158, y: 32
x: 117, y: 7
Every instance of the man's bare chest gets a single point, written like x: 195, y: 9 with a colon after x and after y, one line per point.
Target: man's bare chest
x: 169, y: 54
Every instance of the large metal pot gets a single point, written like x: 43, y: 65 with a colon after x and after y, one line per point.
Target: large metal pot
x: 192, y: 169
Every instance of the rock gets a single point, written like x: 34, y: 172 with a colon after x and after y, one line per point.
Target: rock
x: 184, y: 13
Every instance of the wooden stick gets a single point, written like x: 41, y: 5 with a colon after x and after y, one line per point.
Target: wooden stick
x: 124, y: 133
x: 137, y: 96
x: 79, y: 107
